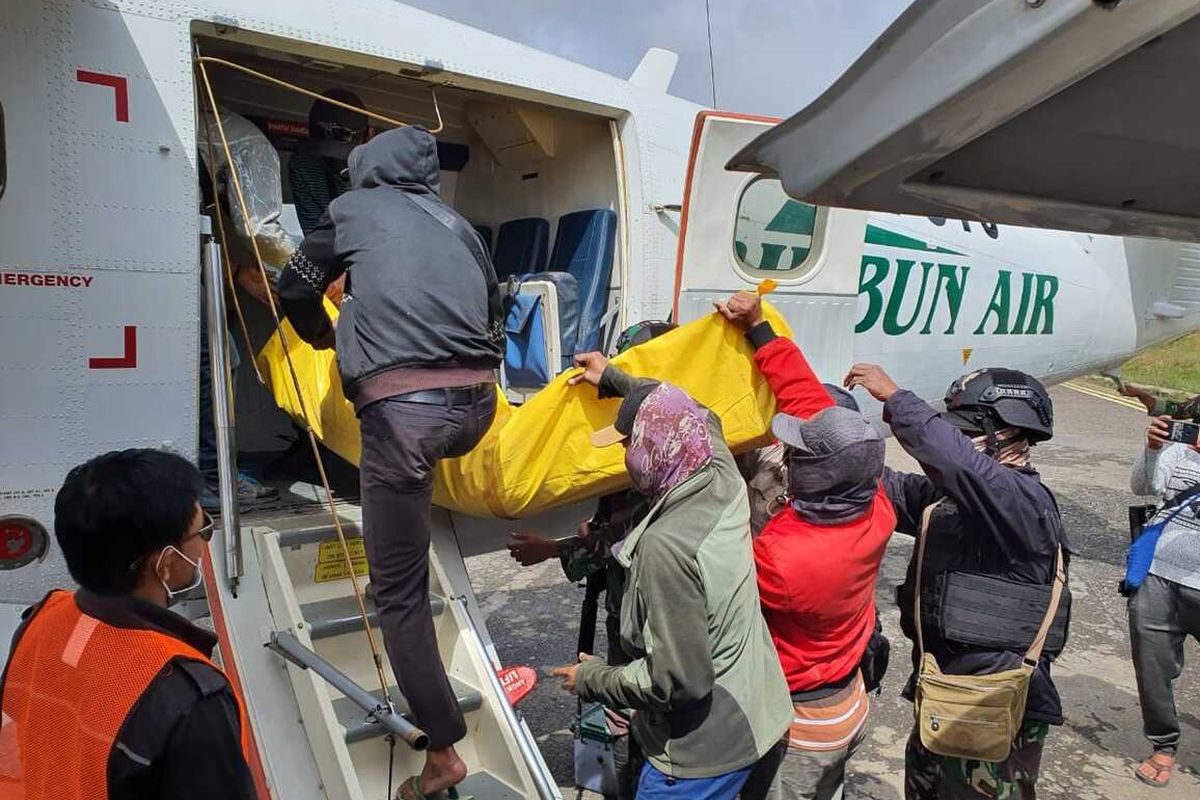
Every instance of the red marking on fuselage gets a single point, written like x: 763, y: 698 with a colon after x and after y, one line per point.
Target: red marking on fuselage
x: 118, y: 84
x: 126, y: 361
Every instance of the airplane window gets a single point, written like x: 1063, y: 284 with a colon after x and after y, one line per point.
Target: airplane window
x: 774, y: 233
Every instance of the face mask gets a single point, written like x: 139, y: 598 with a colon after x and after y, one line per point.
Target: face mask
x: 197, y: 579
x: 1007, y: 446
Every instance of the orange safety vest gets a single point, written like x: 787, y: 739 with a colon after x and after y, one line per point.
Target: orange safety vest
x: 71, y: 682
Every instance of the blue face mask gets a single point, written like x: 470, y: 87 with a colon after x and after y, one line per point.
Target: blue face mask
x: 197, y: 578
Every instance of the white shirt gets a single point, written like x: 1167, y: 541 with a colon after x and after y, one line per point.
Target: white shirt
x: 1166, y: 472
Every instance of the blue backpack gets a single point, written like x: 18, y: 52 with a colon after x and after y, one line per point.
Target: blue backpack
x: 1141, y: 551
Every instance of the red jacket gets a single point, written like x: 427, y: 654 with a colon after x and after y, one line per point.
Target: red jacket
x: 816, y: 582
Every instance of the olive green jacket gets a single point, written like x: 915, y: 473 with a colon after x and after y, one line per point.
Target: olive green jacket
x: 707, y: 689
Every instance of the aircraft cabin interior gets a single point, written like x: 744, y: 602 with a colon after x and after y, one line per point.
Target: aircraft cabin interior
x: 539, y: 183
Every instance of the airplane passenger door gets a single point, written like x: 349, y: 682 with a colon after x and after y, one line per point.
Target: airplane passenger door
x: 739, y: 229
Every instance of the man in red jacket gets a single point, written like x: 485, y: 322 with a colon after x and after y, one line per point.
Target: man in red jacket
x: 817, y: 560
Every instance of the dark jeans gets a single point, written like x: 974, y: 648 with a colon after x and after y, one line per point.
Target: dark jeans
x: 401, y: 444
x: 1162, y: 614
x: 206, y: 448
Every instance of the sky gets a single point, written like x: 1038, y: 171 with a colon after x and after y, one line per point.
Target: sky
x: 768, y: 56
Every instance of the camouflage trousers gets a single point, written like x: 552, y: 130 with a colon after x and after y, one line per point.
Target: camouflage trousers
x: 928, y: 776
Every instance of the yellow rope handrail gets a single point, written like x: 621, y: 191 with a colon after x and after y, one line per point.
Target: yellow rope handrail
x: 201, y: 60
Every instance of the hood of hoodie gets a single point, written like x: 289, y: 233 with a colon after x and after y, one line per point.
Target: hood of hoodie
x: 404, y: 158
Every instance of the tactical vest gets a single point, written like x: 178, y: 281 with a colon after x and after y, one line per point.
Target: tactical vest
x: 968, y: 601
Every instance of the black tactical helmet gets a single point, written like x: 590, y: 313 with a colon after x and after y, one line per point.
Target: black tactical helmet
x: 987, y: 400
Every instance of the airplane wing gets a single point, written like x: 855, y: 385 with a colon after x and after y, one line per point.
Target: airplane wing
x: 1065, y: 114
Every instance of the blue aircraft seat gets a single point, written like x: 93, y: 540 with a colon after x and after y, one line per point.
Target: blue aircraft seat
x: 485, y: 233
x: 584, y: 248
x: 521, y: 246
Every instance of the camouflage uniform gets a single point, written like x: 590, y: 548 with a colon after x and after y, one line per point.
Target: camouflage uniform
x: 1188, y: 409
x: 928, y: 776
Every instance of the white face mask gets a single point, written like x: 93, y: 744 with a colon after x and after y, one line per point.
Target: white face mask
x: 197, y: 579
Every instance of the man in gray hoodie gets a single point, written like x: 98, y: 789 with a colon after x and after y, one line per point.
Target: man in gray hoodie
x: 418, y: 341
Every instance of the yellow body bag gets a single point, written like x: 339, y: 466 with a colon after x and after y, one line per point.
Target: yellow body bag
x: 537, y: 456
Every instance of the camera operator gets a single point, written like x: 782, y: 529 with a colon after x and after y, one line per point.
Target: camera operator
x: 1165, y: 609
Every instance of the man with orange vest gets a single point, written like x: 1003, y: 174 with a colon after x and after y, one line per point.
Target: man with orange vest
x: 107, y: 693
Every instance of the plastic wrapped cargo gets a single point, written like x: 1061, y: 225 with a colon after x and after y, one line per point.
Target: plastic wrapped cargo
x: 257, y: 164
x: 538, y: 456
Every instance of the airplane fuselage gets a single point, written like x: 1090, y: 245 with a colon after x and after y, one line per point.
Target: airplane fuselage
x: 100, y: 291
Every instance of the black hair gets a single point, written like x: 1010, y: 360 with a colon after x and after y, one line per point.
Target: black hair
x: 321, y: 114
x: 118, y: 508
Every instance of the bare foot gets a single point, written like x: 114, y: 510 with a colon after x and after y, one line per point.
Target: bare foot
x: 443, y: 769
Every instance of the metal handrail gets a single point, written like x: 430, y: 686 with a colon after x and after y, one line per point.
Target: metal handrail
x: 382, y: 711
x: 542, y: 779
x: 222, y: 400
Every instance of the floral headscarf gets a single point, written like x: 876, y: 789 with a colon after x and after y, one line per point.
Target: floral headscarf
x: 669, y: 441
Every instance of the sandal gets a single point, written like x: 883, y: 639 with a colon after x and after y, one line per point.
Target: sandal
x: 1162, y: 763
x: 411, y: 790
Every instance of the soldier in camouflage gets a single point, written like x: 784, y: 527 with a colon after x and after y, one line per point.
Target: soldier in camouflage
x: 929, y: 775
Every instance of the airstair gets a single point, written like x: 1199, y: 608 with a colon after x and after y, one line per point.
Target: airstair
x: 297, y: 584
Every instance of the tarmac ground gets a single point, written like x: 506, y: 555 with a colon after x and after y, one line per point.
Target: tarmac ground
x: 533, y: 614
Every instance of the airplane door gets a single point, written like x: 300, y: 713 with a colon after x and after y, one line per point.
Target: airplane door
x: 739, y: 229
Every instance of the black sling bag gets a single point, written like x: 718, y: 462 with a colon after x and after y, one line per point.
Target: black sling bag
x: 470, y: 238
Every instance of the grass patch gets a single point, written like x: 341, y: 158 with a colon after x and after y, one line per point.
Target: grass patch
x: 1172, y: 365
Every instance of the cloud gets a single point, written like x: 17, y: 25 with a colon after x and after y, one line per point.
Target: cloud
x: 775, y: 58
x: 769, y: 56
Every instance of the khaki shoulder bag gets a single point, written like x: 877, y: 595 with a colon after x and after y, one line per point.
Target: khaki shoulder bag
x: 974, y: 716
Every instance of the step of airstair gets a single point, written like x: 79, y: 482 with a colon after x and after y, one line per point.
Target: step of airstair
x: 483, y: 786
x: 311, y: 597
x: 309, y: 532
x: 358, y: 727
x: 340, y: 615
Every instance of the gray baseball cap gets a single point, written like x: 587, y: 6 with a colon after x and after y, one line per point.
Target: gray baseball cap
x: 830, y: 431
x: 841, y: 397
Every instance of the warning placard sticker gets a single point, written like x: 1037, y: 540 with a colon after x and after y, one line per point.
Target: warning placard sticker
x: 336, y: 572
x: 331, y: 563
x: 332, y: 551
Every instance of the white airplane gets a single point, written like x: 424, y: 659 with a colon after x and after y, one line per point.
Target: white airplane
x: 100, y: 265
